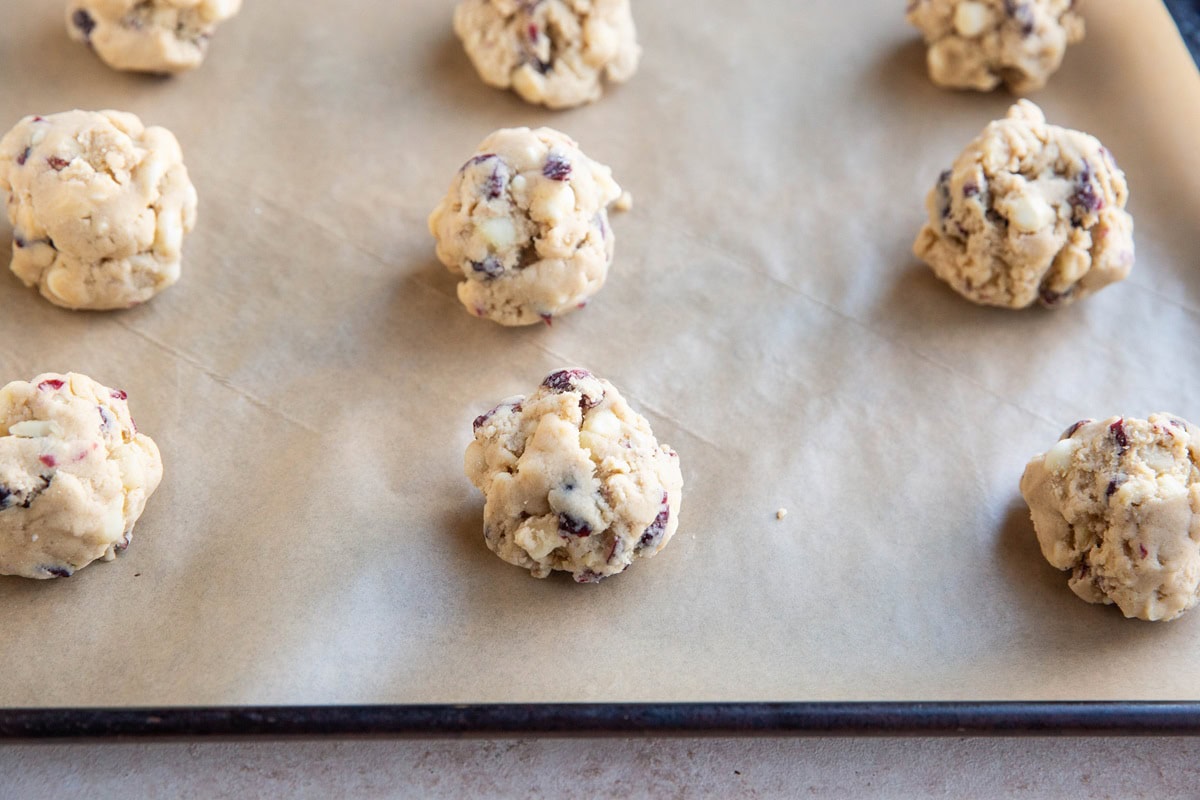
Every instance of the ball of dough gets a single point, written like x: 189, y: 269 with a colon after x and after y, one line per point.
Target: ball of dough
x: 553, y: 52
x: 979, y: 44
x: 1118, y: 504
x: 525, y: 224
x: 161, y: 36
x: 1029, y: 213
x: 99, y: 205
x: 75, y: 475
x: 574, y: 480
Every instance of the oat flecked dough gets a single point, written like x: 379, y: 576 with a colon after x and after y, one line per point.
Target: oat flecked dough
x: 981, y: 44
x: 99, y: 204
x: 574, y: 480
x: 525, y: 225
x: 1117, y: 504
x: 75, y: 475
x: 557, y: 53
x: 1029, y: 213
x: 158, y: 36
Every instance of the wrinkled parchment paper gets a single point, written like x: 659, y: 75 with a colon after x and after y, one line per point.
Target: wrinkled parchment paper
x: 312, y: 379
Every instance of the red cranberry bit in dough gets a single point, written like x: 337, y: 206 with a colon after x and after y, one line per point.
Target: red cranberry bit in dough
x: 51, y: 383
x: 21, y: 159
x: 1118, y: 432
x: 117, y: 394
x: 573, y: 527
x: 557, y: 168
x: 656, y: 528
x: 83, y: 20
x: 1069, y: 432
x: 48, y: 460
x: 58, y: 164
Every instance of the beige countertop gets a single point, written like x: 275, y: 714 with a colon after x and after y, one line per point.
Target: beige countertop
x: 854, y: 768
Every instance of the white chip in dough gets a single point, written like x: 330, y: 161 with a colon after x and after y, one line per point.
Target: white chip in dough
x: 160, y: 36
x: 99, y: 205
x: 525, y: 224
x: 574, y: 480
x: 1029, y: 213
x: 557, y: 53
x: 75, y: 475
x: 1117, y: 503
x: 980, y: 44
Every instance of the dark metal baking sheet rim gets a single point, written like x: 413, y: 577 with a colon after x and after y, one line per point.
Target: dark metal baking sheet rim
x: 611, y: 719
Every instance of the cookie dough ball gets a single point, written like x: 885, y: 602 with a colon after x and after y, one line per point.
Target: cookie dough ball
x: 75, y: 475
x: 1029, y: 213
x: 99, y: 205
x: 979, y: 44
x: 161, y: 36
x: 553, y: 52
x: 525, y: 224
x: 1117, y: 503
x: 574, y: 480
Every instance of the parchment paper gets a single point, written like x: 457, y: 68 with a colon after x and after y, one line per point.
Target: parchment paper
x: 312, y: 379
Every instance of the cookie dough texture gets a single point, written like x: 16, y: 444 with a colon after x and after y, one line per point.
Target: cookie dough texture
x: 979, y: 44
x: 574, y: 480
x: 161, y: 36
x: 75, y: 475
x: 557, y: 53
x: 1029, y: 213
x: 99, y: 205
x: 1117, y: 504
x: 525, y: 225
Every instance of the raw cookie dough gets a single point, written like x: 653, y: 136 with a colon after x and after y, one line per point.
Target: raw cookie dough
x: 161, y: 36
x: 74, y: 475
x: 574, y: 480
x: 99, y: 206
x: 1118, y: 504
x: 525, y: 223
x: 1029, y: 213
x: 979, y: 44
x: 554, y: 52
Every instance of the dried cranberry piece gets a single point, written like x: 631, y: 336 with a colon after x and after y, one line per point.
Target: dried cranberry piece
x: 83, y: 20
x: 557, y: 168
x: 1112, y: 488
x: 588, y: 576
x: 58, y: 572
x: 1143, y: 550
x: 490, y: 266
x: 482, y: 419
x: 654, y: 532
x: 18, y: 241
x: 1069, y: 432
x: 51, y: 383
x: 565, y: 379
x: 58, y: 164
x: 48, y: 460
x: 21, y: 159
x: 1085, y: 199
x: 970, y: 190
x: 1118, y: 431
x: 569, y: 525
x: 117, y: 394
x: 1021, y: 13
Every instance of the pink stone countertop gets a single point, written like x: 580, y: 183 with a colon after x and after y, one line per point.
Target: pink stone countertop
x: 1057, y: 768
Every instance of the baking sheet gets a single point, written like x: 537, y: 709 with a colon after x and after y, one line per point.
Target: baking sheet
x: 312, y: 379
